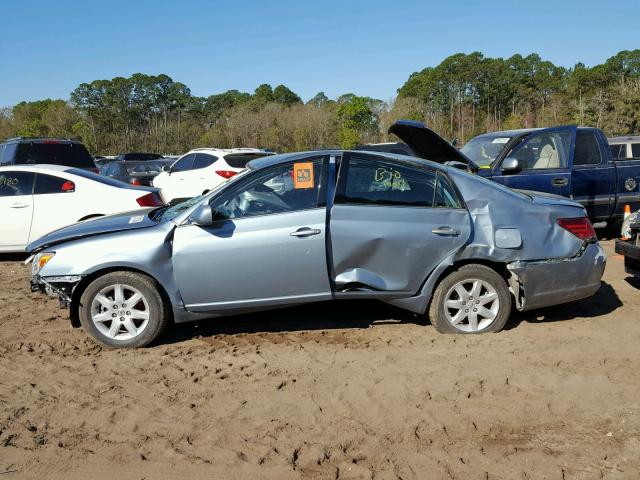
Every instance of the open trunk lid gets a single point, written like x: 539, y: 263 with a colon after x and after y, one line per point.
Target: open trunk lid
x: 428, y: 144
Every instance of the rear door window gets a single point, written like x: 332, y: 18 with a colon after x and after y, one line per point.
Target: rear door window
x: 54, y: 153
x: 635, y: 150
x: 378, y: 182
x: 587, y: 151
x: 203, y: 160
x: 184, y: 164
x: 13, y: 184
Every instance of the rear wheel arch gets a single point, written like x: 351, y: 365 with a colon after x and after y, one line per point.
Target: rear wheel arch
x: 495, y: 273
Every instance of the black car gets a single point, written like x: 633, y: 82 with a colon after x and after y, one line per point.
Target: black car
x: 135, y: 173
x: 52, y: 151
x: 630, y: 249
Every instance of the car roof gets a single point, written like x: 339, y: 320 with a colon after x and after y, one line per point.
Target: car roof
x: 229, y: 150
x: 287, y: 157
x: 39, y: 166
x: 39, y: 140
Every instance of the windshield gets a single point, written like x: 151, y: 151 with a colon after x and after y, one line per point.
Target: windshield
x: 484, y: 150
x: 164, y: 214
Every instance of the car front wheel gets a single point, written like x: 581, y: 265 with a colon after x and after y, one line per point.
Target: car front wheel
x: 473, y: 299
x: 123, y: 310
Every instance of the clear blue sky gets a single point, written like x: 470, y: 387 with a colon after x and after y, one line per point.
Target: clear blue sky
x: 366, y: 47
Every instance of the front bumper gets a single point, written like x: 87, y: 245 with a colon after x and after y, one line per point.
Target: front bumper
x: 631, y: 252
x: 544, y: 283
x: 61, y: 287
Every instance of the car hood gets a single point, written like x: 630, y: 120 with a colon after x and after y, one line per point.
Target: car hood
x: 109, y: 224
x: 428, y: 144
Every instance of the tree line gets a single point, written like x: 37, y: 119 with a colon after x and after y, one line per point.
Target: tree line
x: 465, y: 95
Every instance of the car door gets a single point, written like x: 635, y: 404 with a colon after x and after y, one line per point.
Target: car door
x: 200, y: 178
x: 265, y: 247
x: 545, y: 159
x: 391, y: 224
x: 56, y: 204
x: 174, y: 184
x: 16, y: 208
x: 593, y: 176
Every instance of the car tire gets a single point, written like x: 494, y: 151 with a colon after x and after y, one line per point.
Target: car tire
x: 137, y: 317
x: 471, y: 292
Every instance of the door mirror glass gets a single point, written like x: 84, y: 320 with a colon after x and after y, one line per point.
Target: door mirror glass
x: 510, y: 165
x: 203, y: 215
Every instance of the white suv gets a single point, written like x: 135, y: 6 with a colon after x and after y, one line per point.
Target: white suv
x: 201, y: 170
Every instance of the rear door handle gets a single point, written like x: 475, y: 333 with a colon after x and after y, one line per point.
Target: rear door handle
x: 560, y: 182
x: 444, y: 230
x: 305, y: 232
x: 19, y: 205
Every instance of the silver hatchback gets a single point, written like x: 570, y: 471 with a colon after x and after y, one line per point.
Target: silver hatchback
x: 325, y: 225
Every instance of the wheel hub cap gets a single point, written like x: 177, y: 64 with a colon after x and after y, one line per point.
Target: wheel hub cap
x: 120, y: 312
x: 471, y: 305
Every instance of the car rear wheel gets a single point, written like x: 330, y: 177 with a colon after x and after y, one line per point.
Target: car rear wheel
x: 123, y: 309
x: 473, y: 299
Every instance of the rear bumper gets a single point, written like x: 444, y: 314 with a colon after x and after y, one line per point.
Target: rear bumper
x: 631, y: 255
x: 550, y: 282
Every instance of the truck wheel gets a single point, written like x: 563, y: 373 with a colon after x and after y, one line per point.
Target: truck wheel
x: 473, y: 299
x: 123, y: 310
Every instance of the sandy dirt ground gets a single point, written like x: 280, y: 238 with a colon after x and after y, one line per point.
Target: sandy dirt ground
x: 343, y: 390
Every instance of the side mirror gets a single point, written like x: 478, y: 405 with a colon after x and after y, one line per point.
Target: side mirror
x: 203, y: 215
x: 510, y: 165
x: 166, y: 168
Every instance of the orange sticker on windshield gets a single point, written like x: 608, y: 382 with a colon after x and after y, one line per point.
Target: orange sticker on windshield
x: 303, y: 175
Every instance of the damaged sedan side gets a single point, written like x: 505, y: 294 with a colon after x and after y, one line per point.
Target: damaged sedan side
x: 325, y: 225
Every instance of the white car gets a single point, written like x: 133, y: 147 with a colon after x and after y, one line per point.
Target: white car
x: 36, y: 199
x: 203, y: 169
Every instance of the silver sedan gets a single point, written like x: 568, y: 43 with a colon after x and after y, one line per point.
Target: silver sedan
x: 325, y: 225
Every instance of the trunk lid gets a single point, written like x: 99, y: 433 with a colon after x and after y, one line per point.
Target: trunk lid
x: 428, y: 144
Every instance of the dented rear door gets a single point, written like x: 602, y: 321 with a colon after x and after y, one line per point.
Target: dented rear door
x: 391, y: 224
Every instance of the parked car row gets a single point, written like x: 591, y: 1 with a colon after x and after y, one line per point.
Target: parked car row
x: 419, y: 224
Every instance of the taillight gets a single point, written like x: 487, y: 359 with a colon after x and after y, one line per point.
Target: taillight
x: 226, y: 173
x: 150, y: 200
x: 136, y: 182
x: 581, y: 227
x: 68, y: 186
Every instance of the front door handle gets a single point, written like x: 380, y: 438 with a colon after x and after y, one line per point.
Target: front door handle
x: 305, y: 232
x: 445, y: 230
x: 19, y: 205
x: 560, y: 182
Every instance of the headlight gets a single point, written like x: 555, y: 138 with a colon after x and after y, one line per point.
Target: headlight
x: 40, y: 260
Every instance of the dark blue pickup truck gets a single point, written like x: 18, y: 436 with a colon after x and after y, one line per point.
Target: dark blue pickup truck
x: 571, y: 161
